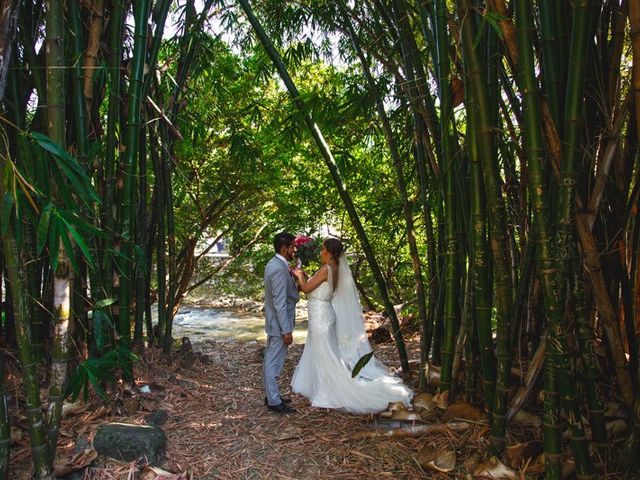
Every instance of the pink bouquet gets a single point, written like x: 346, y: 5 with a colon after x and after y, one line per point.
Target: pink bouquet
x: 307, y: 249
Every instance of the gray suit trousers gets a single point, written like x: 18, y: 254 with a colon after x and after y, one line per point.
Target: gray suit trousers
x: 274, y: 356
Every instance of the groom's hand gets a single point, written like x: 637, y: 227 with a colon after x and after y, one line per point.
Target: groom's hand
x: 287, y: 338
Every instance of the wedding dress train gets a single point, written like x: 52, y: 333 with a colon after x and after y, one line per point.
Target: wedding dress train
x: 336, y: 339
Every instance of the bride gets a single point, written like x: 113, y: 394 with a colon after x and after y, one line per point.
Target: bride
x: 336, y: 340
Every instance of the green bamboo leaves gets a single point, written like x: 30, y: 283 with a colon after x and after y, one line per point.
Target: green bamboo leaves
x: 58, y: 224
x: 69, y: 168
x: 94, y: 372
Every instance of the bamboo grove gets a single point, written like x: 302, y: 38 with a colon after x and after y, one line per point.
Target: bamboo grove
x: 506, y: 134
x: 519, y: 126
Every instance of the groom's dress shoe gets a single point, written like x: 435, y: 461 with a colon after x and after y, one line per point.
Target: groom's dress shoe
x: 282, y: 408
x: 283, y: 400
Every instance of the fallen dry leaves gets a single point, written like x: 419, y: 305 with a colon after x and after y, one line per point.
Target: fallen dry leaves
x: 218, y: 427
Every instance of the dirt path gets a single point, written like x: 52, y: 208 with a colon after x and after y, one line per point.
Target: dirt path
x: 219, y: 427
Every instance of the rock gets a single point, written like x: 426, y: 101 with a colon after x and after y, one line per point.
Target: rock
x: 157, y: 417
x: 126, y: 442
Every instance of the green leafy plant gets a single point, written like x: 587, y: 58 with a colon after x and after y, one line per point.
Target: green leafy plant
x: 93, y: 372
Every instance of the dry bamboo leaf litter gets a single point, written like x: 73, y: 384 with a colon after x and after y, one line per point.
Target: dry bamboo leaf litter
x: 218, y: 427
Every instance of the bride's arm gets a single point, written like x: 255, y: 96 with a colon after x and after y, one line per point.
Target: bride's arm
x: 312, y: 283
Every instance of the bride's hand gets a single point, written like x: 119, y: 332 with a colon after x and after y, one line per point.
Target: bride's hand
x: 298, y: 272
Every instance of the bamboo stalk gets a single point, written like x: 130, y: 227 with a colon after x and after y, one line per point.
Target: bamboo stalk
x: 82, y: 147
x: 16, y: 274
x: 412, y: 431
x: 588, y: 358
x: 144, y: 263
x: 476, y: 73
x: 112, y: 154
x: 160, y: 13
x: 5, y: 429
x: 530, y: 379
x: 463, y: 342
x: 634, y: 23
x: 479, y: 257
x: 550, y: 52
x: 552, y: 269
x: 93, y: 48
x: 127, y: 225
x: 451, y: 275
x: 62, y: 280
x: 171, y: 241
x: 161, y: 264
x: 551, y: 422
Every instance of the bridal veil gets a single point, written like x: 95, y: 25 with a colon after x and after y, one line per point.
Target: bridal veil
x: 352, y: 337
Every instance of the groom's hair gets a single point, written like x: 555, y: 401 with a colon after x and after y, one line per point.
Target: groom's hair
x: 283, y: 239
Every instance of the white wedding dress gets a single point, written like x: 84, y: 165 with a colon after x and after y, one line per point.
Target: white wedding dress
x: 336, y: 339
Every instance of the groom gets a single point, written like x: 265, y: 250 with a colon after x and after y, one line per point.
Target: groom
x: 280, y: 298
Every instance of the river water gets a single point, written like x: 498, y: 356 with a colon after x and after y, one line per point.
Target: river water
x: 204, y: 323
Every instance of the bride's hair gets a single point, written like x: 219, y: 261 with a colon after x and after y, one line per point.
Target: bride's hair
x: 334, y: 247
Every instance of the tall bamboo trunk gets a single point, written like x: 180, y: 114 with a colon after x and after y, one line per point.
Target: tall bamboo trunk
x: 160, y: 13
x: 114, y: 133
x: 588, y: 357
x: 557, y: 345
x: 80, y: 304
x: 5, y: 429
x: 93, y: 48
x: 8, y: 20
x: 634, y: 22
x: 127, y: 225
x: 158, y: 206
x: 145, y: 240
x: 337, y: 177
x: 16, y: 275
x: 62, y: 280
x: 479, y: 256
x: 551, y: 52
x: 475, y: 72
x: 432, y: 302
x: 40, y: 317
x: 451, y: 272
x: 171, y: 242
x: 142, y: 262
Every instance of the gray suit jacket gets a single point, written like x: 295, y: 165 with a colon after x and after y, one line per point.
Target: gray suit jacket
x: 280, y: 298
